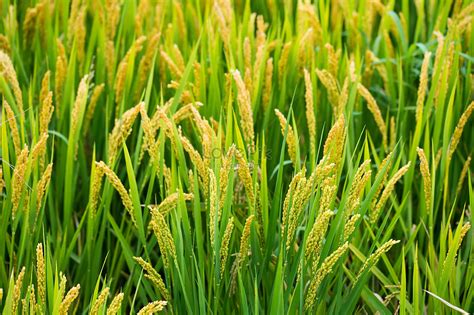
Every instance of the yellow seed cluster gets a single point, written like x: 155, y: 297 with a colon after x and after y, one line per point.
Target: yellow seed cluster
x: 152, y: 308
x: 349, y: 227
x: 43, y: 186
x: 224, y: 174
x: 422, y: 87
x: 115, y: 305
x: 334, y: 145
x: 425, y: 172
x: 245, y: 109
x: 117, y: 184
x: 41, y: 274
x: 387, y: 191
x: 316, y: 235
x: 453, y: 143
x: 18, y: 180
x: 70, y: 297
x: 121, y: 131
x: 310, y: 118
x: 79, y: 105
x: 96, y: 93
x: 60, y: 73
x: 359, y: 182
x: 330, y: 83
x: 372, y: 260
x: 290, y: 135
x: 214, y: 214
x: 100, y: 301
x: 224, y: 251
x: 375, y: 110
x: 464, y: 171
x: 8, y: 71
x: 170, y: 202
x: 325, y: 269
x: 15, y: 134
x: 17, y: 291
x: 153, y: 276
x: 245, y: 176
x: 165, y: 238
x: 39, y: 149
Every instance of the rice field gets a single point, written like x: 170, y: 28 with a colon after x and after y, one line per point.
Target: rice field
x: 236, y: 157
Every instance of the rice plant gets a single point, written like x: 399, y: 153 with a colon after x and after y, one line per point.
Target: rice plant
x: 236, y: 157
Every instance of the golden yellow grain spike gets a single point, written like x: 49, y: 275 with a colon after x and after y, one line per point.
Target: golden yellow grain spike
x: 38, y: 151
x: 121, y: 75
x: 60, y: 73
x: 282, y: 63
x: 334, y: 144
x: 170, y: 202
x: 321, y: 273
x: 375, y: 110
x: 175, y: 70
x: 153, y: 276
x: 4, y: 44
x: 152, y: 308
x: 310, y: 117
x: 422, y: 87
x: 372, y: 260
x: 243, y: 170
x: 115, y: 305
x: 112, y: 8
x: 46, y: 112
x: 387, y: 191
x: 290, y: 135
x: 8, y: 71
x: 43, y: 186
x: 465, y: 170
x: 96, y: 93
x: 100, y: 301
x: 15, y: 134
x: 245, y: 109
x: 18, y: 180
x: 267, y: 88
x: 121, y: 131
x: 330, y: 83
x: 224, y: 174
x: 41, y: 274
x: 117, y: 184
x: 455, y: 247
x: 453, y: 143
x: 349, y: 227
x: 393, y: 133
x: 359, y: 182
x: 80, y: 101
x: 224, y: 250
x: 66, y: 303
x: 316, y: 235
x: 290, y: 195
x: 214, y: 215
x: 146, y: 62
x: 333, y: 59
x: 425, y: 172
x: 45, y: 82
x: 243, y: 251
x: 165, y: 238
x: 17, y: 290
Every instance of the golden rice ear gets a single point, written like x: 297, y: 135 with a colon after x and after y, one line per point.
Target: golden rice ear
x: 375, y: 110
x: 115, y: 305
x: 425, y: 172
x: 70, y: 297
x: 152, y: 308
x: 290, y: 135
x: 245, y: 109
x: 453, y: 143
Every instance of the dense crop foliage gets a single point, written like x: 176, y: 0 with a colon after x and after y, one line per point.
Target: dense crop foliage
x: 221, y: 157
